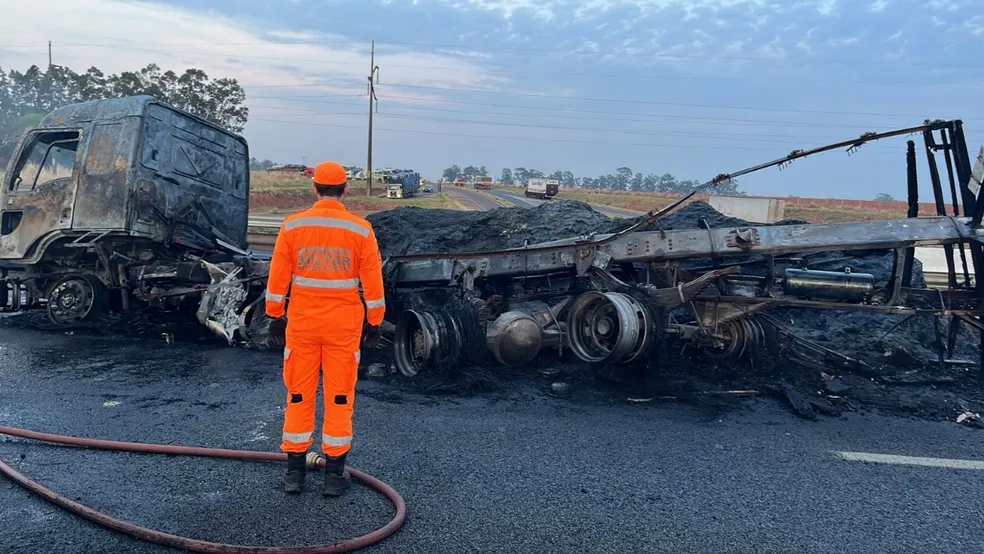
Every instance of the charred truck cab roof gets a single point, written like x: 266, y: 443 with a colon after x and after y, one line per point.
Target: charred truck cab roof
x: 125, y: 167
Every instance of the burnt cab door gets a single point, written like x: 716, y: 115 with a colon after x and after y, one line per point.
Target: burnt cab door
x: 39, y: 192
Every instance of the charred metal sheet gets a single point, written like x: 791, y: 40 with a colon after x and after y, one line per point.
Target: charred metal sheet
x: 102, y: 202
x: 39, y: 192
x: 696, y: 243
x: 222, y: 302
x: 112, y: 109
x: 193, y: 174
x: 185, y: 271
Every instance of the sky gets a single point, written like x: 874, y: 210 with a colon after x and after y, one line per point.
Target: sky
x: 694, y: 88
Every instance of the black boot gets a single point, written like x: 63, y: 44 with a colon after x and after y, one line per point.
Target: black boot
x: 337, y: 478
x: 294, y: 478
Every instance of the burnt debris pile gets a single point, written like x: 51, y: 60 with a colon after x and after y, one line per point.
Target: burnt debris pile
x: 410, y: 230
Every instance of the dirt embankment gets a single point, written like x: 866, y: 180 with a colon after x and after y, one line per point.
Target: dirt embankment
x: 280, y: 201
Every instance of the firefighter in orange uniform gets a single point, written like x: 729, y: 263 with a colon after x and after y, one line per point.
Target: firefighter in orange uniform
x: 322, y: 254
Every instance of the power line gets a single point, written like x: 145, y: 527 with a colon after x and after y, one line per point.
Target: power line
x: 719, y: 136
x: 650, y: 102
x: 330, y: 95
x: 540, y: 139
x: 666, y: 118
x: 633, y: 75
x: 750, y: 137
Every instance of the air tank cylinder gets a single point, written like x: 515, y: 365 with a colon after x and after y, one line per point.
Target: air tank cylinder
x: 828, y: 285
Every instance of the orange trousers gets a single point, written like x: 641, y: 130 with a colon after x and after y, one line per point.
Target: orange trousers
x: 305, y: 358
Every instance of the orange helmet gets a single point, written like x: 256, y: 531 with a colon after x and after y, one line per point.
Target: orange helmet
x: 330, y: 174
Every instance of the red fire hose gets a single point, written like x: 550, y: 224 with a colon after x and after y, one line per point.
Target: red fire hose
x: 186, y: 543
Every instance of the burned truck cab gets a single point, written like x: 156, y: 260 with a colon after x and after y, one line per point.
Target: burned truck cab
x: 101, y: 191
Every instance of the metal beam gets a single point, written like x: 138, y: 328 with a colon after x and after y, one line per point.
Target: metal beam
x: 576, y: 256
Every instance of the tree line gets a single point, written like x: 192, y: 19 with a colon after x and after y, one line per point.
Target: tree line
x: 623, y: 179
x: 25, y: 97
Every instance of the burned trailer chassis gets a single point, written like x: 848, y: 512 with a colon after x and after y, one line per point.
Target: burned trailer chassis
x: 609, y: 304
x: 609, y: 298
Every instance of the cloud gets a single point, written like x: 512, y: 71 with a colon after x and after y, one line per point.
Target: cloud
x: 843, y: 41
x: 827, y: 7
x: 878, y: 6
x: 117, y: 35
x: 975, y: 25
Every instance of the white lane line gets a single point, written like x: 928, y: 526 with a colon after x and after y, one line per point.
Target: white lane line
x: 909, y: 460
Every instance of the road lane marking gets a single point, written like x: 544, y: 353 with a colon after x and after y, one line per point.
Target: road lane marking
x: 909, y: 460
x: 467, y: 202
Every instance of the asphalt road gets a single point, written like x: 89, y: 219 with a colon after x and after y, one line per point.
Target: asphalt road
x: 502, y: 472
x: 470, y: 199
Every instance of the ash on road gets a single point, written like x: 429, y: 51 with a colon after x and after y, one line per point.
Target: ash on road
x: 502, y: 472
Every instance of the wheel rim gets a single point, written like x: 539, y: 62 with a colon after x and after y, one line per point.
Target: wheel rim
x: 71, y: 300
x: 735, y: 342
x: 608, y: 327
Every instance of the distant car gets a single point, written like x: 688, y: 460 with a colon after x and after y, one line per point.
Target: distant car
x: 428, y: 188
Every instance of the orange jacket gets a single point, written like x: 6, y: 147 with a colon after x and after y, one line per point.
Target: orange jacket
x: 322, y: 254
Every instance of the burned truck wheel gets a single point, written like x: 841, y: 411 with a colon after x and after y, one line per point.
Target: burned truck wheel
x: 422, y: 340
x: 609, y: 327
x: 75, y: 299
x: 736, y: 339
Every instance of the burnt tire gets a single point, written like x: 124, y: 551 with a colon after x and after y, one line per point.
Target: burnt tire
x: 76, y: 299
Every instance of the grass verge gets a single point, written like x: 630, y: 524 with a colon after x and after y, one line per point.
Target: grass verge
x: 283, y: 186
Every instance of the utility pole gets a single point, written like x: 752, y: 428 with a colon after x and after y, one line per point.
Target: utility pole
x: 49, y: 56
x: 371, y: 91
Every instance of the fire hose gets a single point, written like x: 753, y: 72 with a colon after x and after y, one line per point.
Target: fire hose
x: 186, y: 543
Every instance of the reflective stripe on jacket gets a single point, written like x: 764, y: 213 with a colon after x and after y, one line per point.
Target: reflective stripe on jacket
x: 322, y: 255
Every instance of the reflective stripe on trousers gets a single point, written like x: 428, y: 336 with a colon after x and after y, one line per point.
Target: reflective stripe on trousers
x: 298, y: 437
x: 335, y: 441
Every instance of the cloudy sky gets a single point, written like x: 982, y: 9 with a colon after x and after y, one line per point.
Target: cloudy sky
x: 688, y: 87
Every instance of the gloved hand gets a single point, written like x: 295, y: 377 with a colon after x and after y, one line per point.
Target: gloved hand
x: 278, y: 326
x: 370, y: 336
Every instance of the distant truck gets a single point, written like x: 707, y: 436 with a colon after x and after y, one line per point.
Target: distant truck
x: 460, y: 182
x: 402, y: 184
x: 542, y: 188
x: 483, y: 182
